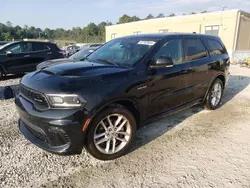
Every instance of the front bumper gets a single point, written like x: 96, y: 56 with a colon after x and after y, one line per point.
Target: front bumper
x: 57, y: 131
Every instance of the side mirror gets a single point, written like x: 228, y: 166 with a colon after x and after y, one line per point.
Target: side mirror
x: 9, y: 53
x: 162, y: 62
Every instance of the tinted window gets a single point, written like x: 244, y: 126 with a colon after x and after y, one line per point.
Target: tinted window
x: 40, y: 46
x: 215, y: 47
x: 20, y: 48
x: 172, y: 49
x: 194, y: 49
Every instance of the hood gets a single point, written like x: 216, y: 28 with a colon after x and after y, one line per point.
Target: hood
x: 72, y: 76
x: 82, y: 69
x: 52, y: 62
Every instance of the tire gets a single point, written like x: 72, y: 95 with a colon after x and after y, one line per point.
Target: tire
x: 97, y: 146
x: 214, y: 96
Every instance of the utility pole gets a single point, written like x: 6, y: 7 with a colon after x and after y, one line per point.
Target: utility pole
x: 221, y: 18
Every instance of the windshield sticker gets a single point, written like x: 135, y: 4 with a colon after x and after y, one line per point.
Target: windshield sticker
x: 149, y: 43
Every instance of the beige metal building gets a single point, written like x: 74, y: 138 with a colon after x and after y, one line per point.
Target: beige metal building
x: 233, y: 26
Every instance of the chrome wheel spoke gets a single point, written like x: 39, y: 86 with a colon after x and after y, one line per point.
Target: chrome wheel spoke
x: 121, y: 139
x: 109, y: 121
x: 104, y: 126
x: 102, y: 141
x: 213, y: 101
x: 107, y: 146
x: 99, y: 135
x: 122, y: 124
x: 123, y: 133
x: 114, y: 142
x: 118, y: 120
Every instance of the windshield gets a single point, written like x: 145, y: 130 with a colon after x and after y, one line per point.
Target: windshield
x: 81, y: 54
x: 123, y: 52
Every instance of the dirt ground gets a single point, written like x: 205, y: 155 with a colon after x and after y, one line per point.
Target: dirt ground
x: 194, y: 148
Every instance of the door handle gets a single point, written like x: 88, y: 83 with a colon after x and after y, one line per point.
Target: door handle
x: 27, y: 56
x: 49, y: 53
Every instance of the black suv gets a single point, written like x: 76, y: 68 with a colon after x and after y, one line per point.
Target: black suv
x: 23, y: 56
x: 128, y: 82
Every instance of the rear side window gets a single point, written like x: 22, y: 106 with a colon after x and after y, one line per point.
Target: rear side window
x: 215, y: 48
x: 194, y: 49
x: 40, y: 46
x: 54, y: 46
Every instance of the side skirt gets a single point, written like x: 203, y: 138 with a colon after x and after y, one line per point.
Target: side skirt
x: 172, y: 111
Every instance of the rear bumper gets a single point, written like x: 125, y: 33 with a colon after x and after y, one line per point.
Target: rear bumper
x: 56, y: 131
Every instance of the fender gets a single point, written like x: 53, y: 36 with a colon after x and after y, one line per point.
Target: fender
x: 97, y: 109
x: 220, y: 74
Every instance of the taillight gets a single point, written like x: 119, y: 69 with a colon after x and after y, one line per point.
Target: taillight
x: 62, y: 52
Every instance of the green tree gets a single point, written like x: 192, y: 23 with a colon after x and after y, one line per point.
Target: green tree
x: 92, y: 29
x: 171, y: 15
x: 161, y: 15
x: 125, y: 19
x: 150, y: 16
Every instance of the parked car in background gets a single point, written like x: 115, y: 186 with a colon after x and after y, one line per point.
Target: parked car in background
x: 70, y: 50
x: 3, y: 43
x: 78, y: 56
x: 91, y: 45
x: 121, y: 86
x: 23, y: 56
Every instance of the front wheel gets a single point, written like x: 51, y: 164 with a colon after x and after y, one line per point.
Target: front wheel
x: 111, y: 133
x: 214, y: 96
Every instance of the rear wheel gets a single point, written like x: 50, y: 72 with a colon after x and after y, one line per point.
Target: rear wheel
x: 111, y: 133
x: 214, y: 96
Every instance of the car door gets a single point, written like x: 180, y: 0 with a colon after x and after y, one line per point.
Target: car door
x: 40, y: 52
x: 14, y: 57
x: 198, y: 58
x: 168, y: 86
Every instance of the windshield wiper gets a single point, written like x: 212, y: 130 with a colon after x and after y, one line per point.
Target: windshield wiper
x: 90, y: 60
x: 108, y: 62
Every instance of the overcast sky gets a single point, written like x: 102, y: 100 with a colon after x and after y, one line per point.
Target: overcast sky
x: 78, y: 13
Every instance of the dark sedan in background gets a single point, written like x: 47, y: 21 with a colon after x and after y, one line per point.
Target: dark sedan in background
x: 23, y: 56
x: 79, y: 56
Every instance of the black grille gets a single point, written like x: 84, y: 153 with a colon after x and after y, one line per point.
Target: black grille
x: 37, y: 98
x: 37, y: 133
x: 66, y: 138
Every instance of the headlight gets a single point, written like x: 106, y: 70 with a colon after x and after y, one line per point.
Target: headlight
x: 64, y: 100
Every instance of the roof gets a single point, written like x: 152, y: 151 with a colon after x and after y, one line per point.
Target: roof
x: 163, y: 35
x: 180, y: 17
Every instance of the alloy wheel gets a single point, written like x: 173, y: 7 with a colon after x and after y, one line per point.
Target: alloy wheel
x: 112, y: 134
x: 216, y: 94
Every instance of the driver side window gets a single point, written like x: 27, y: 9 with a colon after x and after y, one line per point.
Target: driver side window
x: 20, y: 48
x: 172, y: 49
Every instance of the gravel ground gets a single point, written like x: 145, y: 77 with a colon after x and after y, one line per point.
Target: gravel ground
x: 194, y: 148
